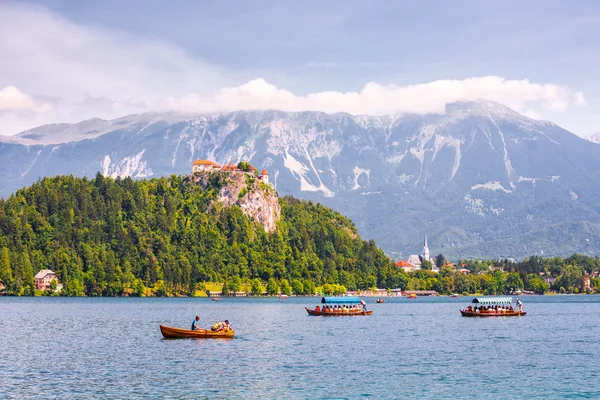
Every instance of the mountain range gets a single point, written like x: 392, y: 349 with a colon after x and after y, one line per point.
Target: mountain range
x: 480, y: 180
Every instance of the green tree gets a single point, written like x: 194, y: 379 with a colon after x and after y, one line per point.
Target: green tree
x: 440, y: 261
x: 256, y: 287
x: 297, y: 286
x: 536, y: 284
x: 272, y: 287
x: 244, y: 166
x: 285, y: 287
x: 513, y: 282
x: 426, y: 265
x: 309, y: 287
x: 6, y: 275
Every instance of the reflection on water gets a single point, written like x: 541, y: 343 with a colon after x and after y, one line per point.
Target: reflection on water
x: 82, y: 348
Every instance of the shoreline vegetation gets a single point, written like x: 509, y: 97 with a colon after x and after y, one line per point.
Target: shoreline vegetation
x: 174, y: 236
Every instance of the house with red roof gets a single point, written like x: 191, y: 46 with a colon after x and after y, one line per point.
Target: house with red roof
x: 205, y: 165
x: 406, y: 266
x: 44, y: 278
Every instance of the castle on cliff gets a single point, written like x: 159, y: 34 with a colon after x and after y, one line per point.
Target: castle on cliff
x: 207, y: 165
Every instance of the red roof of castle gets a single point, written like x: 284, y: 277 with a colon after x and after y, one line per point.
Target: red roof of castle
x: 229, y: 167
x: 205, y: 162
x: 403, y: 263
x: 264, y: 172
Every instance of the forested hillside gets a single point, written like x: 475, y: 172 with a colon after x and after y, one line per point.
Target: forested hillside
x: 106, y: 237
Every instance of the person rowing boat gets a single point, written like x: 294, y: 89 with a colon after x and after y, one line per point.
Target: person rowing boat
x: 195, y: 326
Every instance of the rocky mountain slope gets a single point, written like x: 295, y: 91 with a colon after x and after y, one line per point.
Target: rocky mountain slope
x: 481, y: 180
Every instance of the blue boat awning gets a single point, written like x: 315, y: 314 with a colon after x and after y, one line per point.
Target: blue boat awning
x: 492, y: 300
x: 341, y: 300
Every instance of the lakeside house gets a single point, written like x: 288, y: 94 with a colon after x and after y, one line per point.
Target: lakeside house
x: 587, y: 284
x: 208, y: 165
x: 44, y: 278
x: 2, y: 287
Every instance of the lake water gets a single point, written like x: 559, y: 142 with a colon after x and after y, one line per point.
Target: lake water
x: 112, y: 348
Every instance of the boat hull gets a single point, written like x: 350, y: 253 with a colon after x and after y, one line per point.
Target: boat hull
x: 494, y: 314
x: 338, y: 314
x: 178, y: 333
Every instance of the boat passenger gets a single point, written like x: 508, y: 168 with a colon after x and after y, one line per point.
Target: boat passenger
x: 220, y: 326
x: 317, y: 308
x: 195, y: 326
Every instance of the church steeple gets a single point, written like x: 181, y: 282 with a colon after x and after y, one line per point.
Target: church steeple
x: 425, y: 249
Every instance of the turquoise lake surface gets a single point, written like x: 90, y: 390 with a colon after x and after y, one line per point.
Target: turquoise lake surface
x: 112, y: 348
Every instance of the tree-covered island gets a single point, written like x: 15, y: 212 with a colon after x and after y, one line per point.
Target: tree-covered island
x: 229, y: 231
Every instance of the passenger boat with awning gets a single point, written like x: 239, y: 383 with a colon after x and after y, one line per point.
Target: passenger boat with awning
x: 340, y: 307
x: 492, y: 307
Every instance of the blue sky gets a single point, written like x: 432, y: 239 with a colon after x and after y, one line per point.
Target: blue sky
x: 75, y: 60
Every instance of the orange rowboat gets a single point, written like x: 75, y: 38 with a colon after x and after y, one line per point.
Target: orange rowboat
x: 178, y: 333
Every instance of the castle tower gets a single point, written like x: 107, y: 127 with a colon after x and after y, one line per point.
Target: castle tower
x: 264, y: 176
x: 425, y: 250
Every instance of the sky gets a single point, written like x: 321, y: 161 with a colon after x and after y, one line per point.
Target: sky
x: 66, y: 61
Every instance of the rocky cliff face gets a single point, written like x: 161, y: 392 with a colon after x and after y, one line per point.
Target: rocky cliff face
x: 255, y: 198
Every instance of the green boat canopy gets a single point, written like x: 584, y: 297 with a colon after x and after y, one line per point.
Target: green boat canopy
x: 492, y: 300
x: 341, y: 300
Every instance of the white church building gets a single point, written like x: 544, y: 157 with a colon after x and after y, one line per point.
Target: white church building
x: 416, y: 260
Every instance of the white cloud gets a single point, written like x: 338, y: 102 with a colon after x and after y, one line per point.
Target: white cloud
x: 71, y: 68
x: 54, y: 70
x: 12, y: 99
x: 380, y: 99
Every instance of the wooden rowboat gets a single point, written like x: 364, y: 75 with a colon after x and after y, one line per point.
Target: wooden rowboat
x: 380, y: 300
x: 493, y: 314
x: 337, y: 314
x: 178, y: 333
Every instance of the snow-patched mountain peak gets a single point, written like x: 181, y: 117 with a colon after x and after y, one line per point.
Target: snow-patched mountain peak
x: 482, y: 107
x: 594, y: 137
